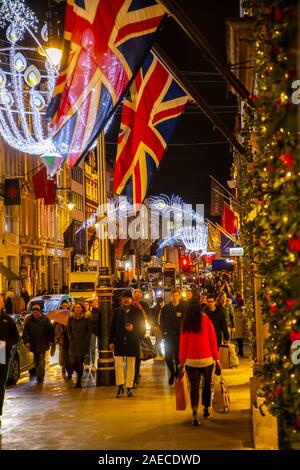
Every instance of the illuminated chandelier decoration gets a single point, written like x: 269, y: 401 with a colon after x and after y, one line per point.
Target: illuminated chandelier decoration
x: 26, y: 82
x: 193, y: 235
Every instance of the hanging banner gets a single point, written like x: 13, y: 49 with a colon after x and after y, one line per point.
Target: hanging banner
x: 12, y: 192
x: 217, y: 199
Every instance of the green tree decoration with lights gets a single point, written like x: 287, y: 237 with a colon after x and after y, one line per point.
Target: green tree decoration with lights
x: 272, y: 211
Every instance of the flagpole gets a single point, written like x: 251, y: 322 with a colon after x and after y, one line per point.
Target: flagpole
x: 218, y: 227
x: 194, y: 94
x: 55, y: 264
x: 228, y: 235
x: 225, y: 189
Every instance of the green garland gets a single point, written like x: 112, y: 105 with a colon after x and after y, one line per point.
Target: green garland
x: 245, y: 185
x: 272, y: 210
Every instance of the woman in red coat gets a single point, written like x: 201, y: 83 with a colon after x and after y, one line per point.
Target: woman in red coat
x: 198, y: 352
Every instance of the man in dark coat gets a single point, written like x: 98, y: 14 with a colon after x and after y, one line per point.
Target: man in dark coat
x: 37, y: 336
x: 127, y: 328
x: 170, y: 323
x: 8, y: 334
x: 218, y: 317
x: 79, y: 330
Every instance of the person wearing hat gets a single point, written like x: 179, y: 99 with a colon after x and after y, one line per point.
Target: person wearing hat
x: 127, y: 328
x: 38, y: 335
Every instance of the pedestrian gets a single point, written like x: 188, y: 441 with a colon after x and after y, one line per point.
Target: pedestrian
x: 198, y: 353
x: 155, y: 328
x: 226, y: 305
x: 79, y: 333
x: 145, y: 309
x: 9, y: 305
x: 218, y: 317
x: 38, y: 335
x: 96, y: 328
x: 19, y: 305
x: 61, y: 338
x: 89, y: 313
x: 170, y: 323
x: 127, y: 328
x: 239, y: 329
x: 25, y: 295
x: 8, y: 337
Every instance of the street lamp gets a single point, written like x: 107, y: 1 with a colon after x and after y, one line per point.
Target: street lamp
x: 53, y: 48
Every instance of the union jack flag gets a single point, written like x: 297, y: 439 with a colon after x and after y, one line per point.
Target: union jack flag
x: 106, y: 43
x: 149, y: 119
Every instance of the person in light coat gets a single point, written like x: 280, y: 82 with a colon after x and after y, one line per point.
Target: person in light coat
x: 239, y: 333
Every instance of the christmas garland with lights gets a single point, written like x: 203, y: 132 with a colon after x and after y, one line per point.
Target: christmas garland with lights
x: 245, y: 185
x: 273, y: 217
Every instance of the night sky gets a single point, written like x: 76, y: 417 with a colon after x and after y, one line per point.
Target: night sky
x: 187, y: 164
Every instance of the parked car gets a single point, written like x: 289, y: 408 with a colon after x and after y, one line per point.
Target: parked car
x: 21, y: 359
x: 50, y: 302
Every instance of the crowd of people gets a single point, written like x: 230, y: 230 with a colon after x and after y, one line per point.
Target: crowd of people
x: 191, y: 331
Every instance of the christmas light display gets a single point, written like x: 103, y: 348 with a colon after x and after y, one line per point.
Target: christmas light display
x: 26, y: 83
x: 190, y: 229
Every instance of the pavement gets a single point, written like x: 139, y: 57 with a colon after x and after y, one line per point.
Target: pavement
x: 56, y: 416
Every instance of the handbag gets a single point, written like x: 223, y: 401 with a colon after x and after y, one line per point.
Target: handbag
x: 181, y: 392
x: 220, y: 395
x: 225, y: 356
x: 147, y: 349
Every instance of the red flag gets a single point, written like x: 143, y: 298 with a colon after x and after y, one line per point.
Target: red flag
x: 39, y: 181
x: 44, y: 188
x: 106, y: 42
x: 229, y: 220
x: 49, y: 197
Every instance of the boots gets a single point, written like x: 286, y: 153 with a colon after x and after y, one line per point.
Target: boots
x: 120, y: 392
x: 195, y: 421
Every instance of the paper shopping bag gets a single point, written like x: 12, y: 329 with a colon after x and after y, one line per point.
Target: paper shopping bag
x: 181, y: 392
x: 2, y: 352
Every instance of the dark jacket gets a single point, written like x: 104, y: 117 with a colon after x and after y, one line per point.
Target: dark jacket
x: 79, y: 334
x: 218, y: 318
x: 8, y: 332
x: 39, y: 332
x: 154, y: 314
x: 171, y: 318
x: 127, y: 343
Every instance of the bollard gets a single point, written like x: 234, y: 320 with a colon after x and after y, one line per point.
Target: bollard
x: 105, y: 369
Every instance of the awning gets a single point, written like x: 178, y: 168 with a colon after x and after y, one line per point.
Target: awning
x: 8, y: 273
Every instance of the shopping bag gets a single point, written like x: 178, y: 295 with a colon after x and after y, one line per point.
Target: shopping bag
x: 220, y: 395
x: 225, y: 356
x: 233, y: 357
x: 147, y: 349
x: 181, y: 392
x: 2, y: 352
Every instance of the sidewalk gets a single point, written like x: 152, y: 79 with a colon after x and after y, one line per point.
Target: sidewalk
x: 56, y: 416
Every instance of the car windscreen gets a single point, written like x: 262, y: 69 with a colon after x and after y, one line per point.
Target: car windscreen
x: 47, y: 305
x: 82, y: 287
